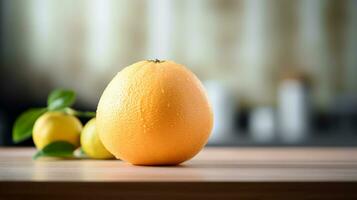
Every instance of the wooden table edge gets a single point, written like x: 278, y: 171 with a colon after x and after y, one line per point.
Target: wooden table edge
x: 184, y: 190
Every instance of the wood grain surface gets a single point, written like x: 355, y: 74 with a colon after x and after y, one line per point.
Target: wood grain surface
x: 215, y: 173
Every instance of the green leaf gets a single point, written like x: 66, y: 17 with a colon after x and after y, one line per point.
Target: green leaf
x: 59, y: 99
x: 82, y: 153
x: 22, y: 128
x: 78, y: 113
x: 85, y: 114
x: 56, y: 149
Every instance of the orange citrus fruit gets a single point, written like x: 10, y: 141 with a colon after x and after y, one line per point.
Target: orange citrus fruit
x: 154, y: 113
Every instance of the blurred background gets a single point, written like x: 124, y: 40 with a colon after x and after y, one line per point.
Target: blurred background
x: 278, y: 73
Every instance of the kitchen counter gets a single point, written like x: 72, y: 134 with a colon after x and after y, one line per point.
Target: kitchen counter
x: 216, y: 172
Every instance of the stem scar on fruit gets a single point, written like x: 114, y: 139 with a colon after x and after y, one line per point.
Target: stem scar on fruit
x: 156, y: 61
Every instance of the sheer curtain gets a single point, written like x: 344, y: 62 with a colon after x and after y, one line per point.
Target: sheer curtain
x: 246, y: 44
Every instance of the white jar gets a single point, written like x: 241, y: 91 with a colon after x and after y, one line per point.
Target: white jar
x: 224, y: 107
x: 262, y: 124
x: 293, y: 110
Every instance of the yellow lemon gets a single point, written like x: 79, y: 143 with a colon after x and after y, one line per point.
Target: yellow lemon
x: 91, y: 143
x: 56, y: 126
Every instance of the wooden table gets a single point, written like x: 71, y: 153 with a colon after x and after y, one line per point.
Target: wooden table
x: 216, y: 173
